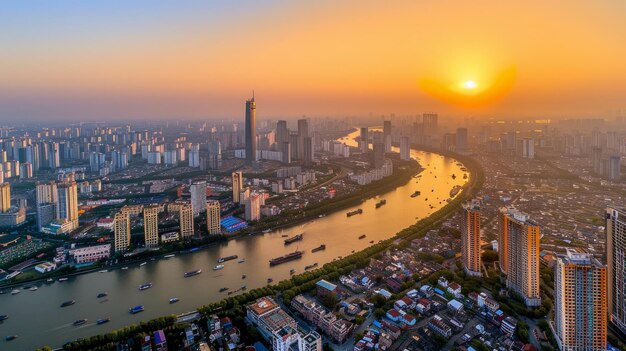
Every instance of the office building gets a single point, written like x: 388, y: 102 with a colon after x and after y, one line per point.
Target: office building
x: 303, y: 133
x: 151, y: 226
x: 213, y: 217
x: 214, y: 156
x: 528, y: 148
x: 461, y: 140
x: 185, y: 215
x: 198, y: 196
x: 519, y: 254
x: 282, y: 133
x: 616, y: 266
x: 237, y: 186
x: 5, y: 197
x: 405, y: 148
x: 251, y: 140
x: 285, y: 149
x: 580, y: 306
x: 378, y: 151
x: 121, y: 230
x: 308, y: 150
x: 470, y: 238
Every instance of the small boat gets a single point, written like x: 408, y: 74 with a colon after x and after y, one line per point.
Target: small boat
x: 103, y: 271
x: 153, y: 259
x: 223, y: 289
x: 33, y: 288
x: 319, y: 248
x: 381, y: 203
x: 143, y: 264
x: 10, y: 337
x: 68, y: 303
x: 243, y: 276
x: 288, y: 257
x: 243, y: 287
x: 269, y: 280
x: 355, y: 212
x: 49, y: 280
x: 26, y: 287
x: 292, y: 271
x: 174, y: 299
x: 227, y: 258
x: 242, y: 260
x: 145, y: 286
x: 416, y: 194
x: 4, y: 317
x: 64, y: 279
x: 362, y: 237
x: 371, y: 242
x: 136, y: 309
x: 285, y: 235
x: 103, y: 320
x: 124, y: 268
x: 352, y: 251
x: 218, y: 267
x: 79, y: 322
x: 192, y: 273
x: 267, y: 230
x: 103, y: 294
x: 169, y: 255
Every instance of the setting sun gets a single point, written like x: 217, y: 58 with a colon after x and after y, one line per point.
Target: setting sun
x: 469, y: 84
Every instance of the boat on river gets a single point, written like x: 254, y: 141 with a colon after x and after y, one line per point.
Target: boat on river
x: 136, y: 309
x: 355, y: 212
x: 381, y: 203
x: 319, y: 248
x: 286, y: 258
x: 218, y: 267
x: 192, y: 273
x: 145, y: 286
x: 227, y: 258
x: 68, y: 303
x: 174, y: 299
x: 293, y: 239
x: 79, y: 322
x: 103, y: 320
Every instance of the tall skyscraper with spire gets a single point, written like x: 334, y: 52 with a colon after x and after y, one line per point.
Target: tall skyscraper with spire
x: 251, y: 130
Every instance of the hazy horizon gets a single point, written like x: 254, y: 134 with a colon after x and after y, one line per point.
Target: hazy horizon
x: 86, y: 61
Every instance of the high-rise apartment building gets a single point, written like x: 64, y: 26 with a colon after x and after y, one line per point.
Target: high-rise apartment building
x: 364, y: 142
x: 198, y: 196
x: 214, y: 156
x: 121, y: 229
x: 5, y: 197
x: 185, y: 215
x: 213, y: 218
x: 253, y: 207
x: 461, y: 140
x: 470, y: 238
x: 430, y: 123
x: 282, y: 133
x: 151, y: 225
x: 237, y: 186
x: 580, y: 306
x: 251, y: 142
x: 519, y: 254
x: 616, y: 266
x: 303, y: 133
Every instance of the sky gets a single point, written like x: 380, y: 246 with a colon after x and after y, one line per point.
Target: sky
x: 157, y: 59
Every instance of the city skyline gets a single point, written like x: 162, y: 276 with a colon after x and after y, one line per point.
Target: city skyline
x: 92, y: 61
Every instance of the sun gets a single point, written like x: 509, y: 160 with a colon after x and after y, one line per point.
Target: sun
x: 469, y: 84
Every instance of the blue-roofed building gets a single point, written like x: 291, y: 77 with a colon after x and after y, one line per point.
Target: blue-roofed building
x: 455, y: 306
x: 160, y: 342
x: 325, y: 288
x: 439, y: 292
x: 232, y: 224
x: 259, y: 346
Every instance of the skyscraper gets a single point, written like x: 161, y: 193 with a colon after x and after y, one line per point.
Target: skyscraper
x: 185, y: 215
x: 405, y: 148
x: 214, y: 155
x: 237, y: 186
x: 151, y: 226
x: 213, y: 210
x: 519, y: 254
x: 282, y: 133
x: 430, y: 123
x: 68, y: 203
x: 470, y: 238
x: 5, y: 197
x: 121, y: 228
x: 616, y: 265
x: 580, y: 308
x: 251, y: 130
x: 387, y: 135
x: 308, y: 150
x: 198, y: 196
x: 364, y: 140
x: 528, y: 148
x: 461, y: 140
x: 47, y: 198
x: 303, y: 133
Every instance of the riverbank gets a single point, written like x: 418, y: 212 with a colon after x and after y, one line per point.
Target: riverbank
x: 235, y: 306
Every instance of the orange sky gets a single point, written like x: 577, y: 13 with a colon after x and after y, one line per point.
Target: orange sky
x: 556, y: 58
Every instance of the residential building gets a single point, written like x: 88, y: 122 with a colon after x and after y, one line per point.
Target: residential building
x: 185, y: 215
x: 580, y: 306
x: 198, y: 197
x: 470, y: 238
x: 616, y: 266
x: 121, y: 230
x: 213, y: 217
x: 237, y: 186
x: 151, y: 226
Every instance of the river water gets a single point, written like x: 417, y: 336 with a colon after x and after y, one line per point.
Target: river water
x: 35, y: 316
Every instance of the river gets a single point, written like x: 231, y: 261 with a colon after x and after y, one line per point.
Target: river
x: 35, y: 316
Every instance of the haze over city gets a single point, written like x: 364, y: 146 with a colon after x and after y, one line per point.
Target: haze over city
x: 120, y: 60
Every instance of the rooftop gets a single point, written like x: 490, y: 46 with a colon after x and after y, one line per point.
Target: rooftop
x: 263, y: 305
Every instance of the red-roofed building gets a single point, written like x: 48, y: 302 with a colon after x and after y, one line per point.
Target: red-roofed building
x: 393, y: 314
